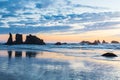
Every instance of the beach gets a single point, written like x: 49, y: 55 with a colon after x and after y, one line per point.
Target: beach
x: 59, y: 40
x: 63, y: 62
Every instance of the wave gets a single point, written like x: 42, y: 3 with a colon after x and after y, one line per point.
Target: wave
x: 51, y: 46
x: 76, y: 50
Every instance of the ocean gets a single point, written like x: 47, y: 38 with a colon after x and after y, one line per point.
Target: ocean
x: 59, y: 62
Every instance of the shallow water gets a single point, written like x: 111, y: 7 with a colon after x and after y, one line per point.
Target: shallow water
x: 58, y: 63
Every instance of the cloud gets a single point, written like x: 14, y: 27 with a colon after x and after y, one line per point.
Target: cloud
x: 101, y: 26
x: 27, y: 30
x: 41, y: 16
x: 31, y: 23
x: 43, y: 4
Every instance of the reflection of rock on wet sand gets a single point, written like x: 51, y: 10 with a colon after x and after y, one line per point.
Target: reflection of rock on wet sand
x: 9, y: 54
x: 18, y: 53
x: 30, y: 54
x: 21, y: 54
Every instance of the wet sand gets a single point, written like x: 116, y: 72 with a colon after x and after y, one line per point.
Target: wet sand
x: 43, y: 65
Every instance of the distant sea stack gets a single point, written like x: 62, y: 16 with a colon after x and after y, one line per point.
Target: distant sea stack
x: 96, y: 42
x: 104, y: 42
x: 114, y: 42
x: 59, y: 43
x: 30, y: 39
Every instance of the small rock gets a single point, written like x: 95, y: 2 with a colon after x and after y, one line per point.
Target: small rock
x: 109, y: 55
x: 58, y: 43
x: 104, y: 42
x: 114, y: 42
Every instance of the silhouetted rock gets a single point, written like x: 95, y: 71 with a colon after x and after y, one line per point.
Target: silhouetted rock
x: 64, y: 43
x: 96, y: 42
x: 58, y: 43
x: 29, y: 40
x: 10, y: 40
x: 19, y: 39
x: 114, y: 42
x: 104, y: 42
x: 109, y: 55
x: 85, y: 42
x: 34, y: 40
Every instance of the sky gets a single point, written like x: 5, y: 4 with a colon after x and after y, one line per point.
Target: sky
x: 61, y: 20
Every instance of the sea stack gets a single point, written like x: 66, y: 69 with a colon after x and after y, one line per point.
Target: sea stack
x: 10, y: 40
x: 30, y: 39
x: 19, y: 39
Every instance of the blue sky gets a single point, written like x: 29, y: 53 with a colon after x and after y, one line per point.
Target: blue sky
x: 61, y: 17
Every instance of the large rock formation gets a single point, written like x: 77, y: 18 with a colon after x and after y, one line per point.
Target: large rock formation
x: 30, y: 39
x: 10, y: 40
x: 18, y: 39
